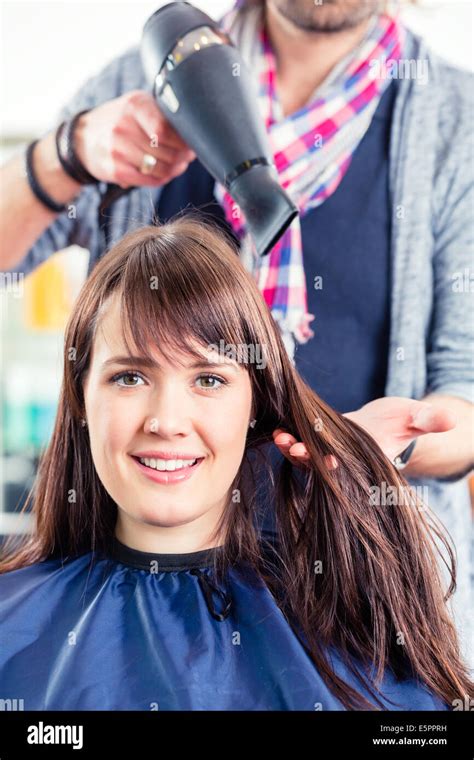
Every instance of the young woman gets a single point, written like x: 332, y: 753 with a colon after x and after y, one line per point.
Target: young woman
x: 147, y: 584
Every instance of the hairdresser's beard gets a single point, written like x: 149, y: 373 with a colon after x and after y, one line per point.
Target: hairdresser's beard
x: 329, y: 16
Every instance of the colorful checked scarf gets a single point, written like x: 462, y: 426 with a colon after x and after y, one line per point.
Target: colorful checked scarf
x: 312, y: 149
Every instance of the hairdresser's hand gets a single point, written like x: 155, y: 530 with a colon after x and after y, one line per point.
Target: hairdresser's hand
x: 393, y: 422
x: 112, y: 139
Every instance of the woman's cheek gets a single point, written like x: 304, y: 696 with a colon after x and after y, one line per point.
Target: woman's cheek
x: 228, y: 436
x: 122, y: 420
x: 114, y: 422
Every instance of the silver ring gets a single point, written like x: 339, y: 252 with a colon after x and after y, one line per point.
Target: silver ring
x: 148, y: 163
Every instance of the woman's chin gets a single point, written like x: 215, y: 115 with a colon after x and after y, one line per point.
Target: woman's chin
x: 171, y: 516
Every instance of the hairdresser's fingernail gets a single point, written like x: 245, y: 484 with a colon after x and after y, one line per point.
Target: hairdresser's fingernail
x: 300, y: 453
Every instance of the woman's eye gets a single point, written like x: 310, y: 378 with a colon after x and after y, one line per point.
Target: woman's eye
x: 128, y: 375
x: 214, y: 378
x: 129, y: 380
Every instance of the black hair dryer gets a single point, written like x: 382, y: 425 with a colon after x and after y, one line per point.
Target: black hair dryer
x: 204, y: 89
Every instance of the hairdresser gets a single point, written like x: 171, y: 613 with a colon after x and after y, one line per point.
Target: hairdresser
x: 385, y: 227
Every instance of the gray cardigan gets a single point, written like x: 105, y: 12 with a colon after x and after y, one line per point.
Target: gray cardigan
x: 431, y: 184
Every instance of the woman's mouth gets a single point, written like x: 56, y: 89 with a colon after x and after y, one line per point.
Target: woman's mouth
x: 182, y: 470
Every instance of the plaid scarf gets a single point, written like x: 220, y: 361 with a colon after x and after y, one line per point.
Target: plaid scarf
x: 312, y: 150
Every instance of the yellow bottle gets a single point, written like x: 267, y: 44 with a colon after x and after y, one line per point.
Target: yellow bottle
x: 48, y: 302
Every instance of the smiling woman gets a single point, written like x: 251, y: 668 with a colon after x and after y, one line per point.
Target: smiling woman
x: 153, y: 422
x: 147, y: 553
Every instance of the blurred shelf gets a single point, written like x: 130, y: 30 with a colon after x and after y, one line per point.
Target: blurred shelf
x: 13, y: 524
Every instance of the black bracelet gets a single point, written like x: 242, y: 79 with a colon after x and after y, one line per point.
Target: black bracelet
x: 67, y: 152
x: 58, y: 137
x: 35, y: 186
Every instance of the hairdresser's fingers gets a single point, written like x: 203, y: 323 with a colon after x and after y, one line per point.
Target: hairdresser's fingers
x: 394, y: 421
x: 132, y: 143
x: 296, y: 451
x: 111, y: 140
x: 299, y: 452
x: 126, y: 158
x: 398, y: 419
x: 285, y: 442
x: 402, y: 417
x: 430, y: 419
x: 154, y: 124
x: 126, y: 175
x: 284, y: 438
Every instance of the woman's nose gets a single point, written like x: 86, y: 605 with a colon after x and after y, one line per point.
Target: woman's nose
x: 169, y: 412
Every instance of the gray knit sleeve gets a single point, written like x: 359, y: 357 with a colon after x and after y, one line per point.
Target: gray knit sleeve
x: 450, y: 350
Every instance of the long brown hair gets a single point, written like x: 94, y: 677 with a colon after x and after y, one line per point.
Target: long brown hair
x: 352, y: 572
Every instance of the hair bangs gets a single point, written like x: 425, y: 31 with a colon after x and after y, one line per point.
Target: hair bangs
x: 170, y: 303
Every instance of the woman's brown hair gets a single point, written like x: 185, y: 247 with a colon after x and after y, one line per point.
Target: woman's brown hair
x: 349, y: 571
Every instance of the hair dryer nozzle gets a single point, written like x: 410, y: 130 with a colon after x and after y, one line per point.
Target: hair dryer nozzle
x: 268, y: 209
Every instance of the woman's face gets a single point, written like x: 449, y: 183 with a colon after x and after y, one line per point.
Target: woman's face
x: 135, y: 411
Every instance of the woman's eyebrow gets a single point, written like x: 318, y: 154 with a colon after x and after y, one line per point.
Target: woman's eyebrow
x: 144, y: 361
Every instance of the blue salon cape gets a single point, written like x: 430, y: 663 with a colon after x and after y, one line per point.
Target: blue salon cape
x: 111, y: 632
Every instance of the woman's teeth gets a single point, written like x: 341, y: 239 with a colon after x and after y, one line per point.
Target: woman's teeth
x: 167, y: 464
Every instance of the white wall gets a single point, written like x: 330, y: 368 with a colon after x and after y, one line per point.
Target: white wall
x: 49, y: 48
